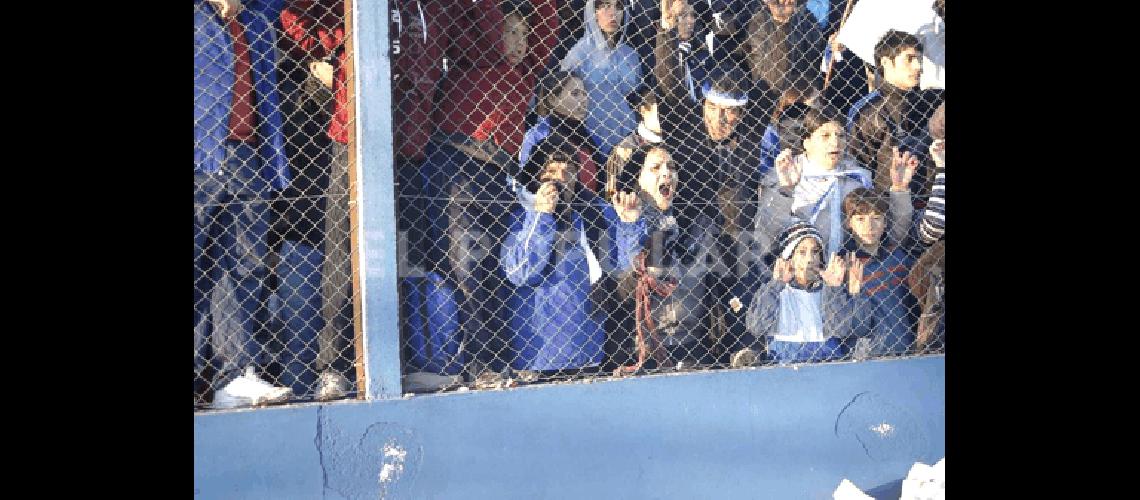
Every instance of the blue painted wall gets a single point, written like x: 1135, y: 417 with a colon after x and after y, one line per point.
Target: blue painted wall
x: 757, y: 433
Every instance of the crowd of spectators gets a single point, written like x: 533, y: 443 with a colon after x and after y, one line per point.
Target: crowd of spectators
x: 584, y: 188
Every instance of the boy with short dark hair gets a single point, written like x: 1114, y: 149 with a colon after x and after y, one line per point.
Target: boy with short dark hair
x: 895, y: 114
x: 893, y: 310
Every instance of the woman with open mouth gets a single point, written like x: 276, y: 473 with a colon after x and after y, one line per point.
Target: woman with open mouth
x: 661, y: 258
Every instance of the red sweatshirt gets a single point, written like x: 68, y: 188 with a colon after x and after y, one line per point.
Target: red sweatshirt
x: 316, y: 29
x: 417, y: 54
x: 484, y: 96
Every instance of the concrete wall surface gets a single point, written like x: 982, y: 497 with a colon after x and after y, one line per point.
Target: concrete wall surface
x: 782, y: 433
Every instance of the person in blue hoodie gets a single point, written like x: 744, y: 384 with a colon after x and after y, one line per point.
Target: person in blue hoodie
x: 551, y: 255
x: 887, y: 264
x: 804, y: 312
x: 610, y: 68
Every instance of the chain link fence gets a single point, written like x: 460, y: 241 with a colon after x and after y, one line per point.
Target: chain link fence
x: 606, y: 188
x: 593, y: 189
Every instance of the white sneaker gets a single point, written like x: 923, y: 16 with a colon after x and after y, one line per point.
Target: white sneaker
x: 249, y: 390
x: 744, y: 357
x: 332, y: 386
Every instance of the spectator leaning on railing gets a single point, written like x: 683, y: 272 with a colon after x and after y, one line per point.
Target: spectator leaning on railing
x: 316, y: 28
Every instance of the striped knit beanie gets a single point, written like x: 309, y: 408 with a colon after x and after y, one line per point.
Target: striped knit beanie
x: 791, y: 236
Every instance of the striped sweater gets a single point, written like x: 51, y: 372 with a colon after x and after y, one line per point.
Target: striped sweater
x: 933, y: 225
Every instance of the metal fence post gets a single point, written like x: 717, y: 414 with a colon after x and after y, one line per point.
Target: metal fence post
x: 377, y: 201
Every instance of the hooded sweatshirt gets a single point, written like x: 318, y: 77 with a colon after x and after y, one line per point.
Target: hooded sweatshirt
x: 609, y: 75
x: 484, y: 97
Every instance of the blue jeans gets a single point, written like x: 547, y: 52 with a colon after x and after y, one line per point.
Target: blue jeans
x: 806, y: 352
x: 231, y: 221
x: 299, y: 314
x: 467, y: 209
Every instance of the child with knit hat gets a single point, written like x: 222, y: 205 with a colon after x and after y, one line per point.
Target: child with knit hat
x: 804, y: 311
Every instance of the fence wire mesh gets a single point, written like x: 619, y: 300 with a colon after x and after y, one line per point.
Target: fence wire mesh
x: 607, y: 188
x: 615, y: 187
x: 273, y: 308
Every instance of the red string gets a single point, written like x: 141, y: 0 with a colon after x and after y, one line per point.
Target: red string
x: 643, y: 314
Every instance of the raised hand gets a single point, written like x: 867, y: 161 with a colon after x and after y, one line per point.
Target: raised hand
x: 227, y: 9
x: 670, y: 9
x: 628, y: 206
x: 938, y: 153
x: 902, y: 169
x: 546, y: 199
x: 855, y: 274
x: 782, y: 270
x: 836, y: 267
x: 323, y: 71
x: 787, y: 169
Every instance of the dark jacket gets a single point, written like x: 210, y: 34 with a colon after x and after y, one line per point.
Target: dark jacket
x: 781, y: 54
x: 894, y: 311
x: 717, y: 180
x: 887, y: 118
x: 316, y: 30
x: 676, y: 250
